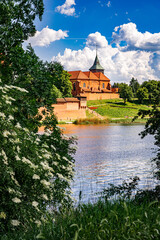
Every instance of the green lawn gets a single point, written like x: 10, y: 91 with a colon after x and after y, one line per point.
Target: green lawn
x: 115, y: 109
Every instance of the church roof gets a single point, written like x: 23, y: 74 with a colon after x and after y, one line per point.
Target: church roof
x: 96, y: 65
x: 101, y: 76
x: 77, y: 75
x: 91, y: 75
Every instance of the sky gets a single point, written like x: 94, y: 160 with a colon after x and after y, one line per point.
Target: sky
x: 126, y: 33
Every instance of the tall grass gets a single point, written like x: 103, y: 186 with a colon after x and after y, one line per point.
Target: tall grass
x: 119, y: 220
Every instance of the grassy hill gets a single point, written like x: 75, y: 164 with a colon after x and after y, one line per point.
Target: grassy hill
x: 116, y: 111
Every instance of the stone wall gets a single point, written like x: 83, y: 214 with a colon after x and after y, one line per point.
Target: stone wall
x: 70, y: 115
x: 99, y: 96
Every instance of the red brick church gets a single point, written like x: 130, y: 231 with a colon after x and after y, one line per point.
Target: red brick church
x: 93, y: 85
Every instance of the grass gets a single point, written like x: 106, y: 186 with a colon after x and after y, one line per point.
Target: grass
x: 119, y: 220
x: 90, y: 120
x: 118, y: 112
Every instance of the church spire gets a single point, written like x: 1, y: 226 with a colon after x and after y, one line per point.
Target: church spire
x: 97, y: 66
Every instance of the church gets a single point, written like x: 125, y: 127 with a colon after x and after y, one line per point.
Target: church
x: 93, y: 84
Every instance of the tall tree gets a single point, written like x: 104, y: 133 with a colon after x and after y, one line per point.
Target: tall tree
x: 134, y: 84
x: 125, y: 92
x: 61, y: 78
x: 142, y: 94
x: 153, y: 88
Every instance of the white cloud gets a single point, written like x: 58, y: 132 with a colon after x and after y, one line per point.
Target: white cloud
x: 120, y: 66
x: 135, y: 40
x: 67, y: 8
x: 46, y: 36
x: 109, y: 4
x: 96, y: 39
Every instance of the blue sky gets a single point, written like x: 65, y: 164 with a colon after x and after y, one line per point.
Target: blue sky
x: 127, y: 34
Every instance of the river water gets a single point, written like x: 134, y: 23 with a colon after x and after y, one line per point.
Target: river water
x: 110, y: 154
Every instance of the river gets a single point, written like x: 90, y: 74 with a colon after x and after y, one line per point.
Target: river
x: 110, y: 154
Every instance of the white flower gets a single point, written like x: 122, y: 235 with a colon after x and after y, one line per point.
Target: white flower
x: 44, y: 182
x: 18, y: 149
x: 16, y: 200
x: 6, y: 133
x: 18, y: 125
x: 38, y: 222
x: 10, y: 117
x: 11, y: 190
x: 15, y: 222
x: 17, y: 158
x: 34, y: 204
x: 8, y: 102
x: 44, y: 196
x: 35, y: 176
x: 2, y: 115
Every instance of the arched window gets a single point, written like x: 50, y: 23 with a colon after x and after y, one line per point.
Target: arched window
x: 109, y: 86
x: 74, y: 86
x: 84, y: 85
x: 103, y: 85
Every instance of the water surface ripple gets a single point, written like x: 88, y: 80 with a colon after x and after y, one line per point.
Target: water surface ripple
x: 110, y: 154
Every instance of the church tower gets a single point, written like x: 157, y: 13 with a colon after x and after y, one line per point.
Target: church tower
x: 97, y: 66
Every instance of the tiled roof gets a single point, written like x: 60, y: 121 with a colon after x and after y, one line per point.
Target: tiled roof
x: 77, y: 75
x: 91, y: 75
x: 101, y: 76
x: 71, y: 99
x: 60, y: 100
x: 64, y: 100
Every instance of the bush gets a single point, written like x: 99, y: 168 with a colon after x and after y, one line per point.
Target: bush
x: 35, y: 169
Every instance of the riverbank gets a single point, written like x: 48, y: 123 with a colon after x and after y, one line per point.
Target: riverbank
x: 112, y: 111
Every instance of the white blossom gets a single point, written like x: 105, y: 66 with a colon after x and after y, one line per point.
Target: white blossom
x: 15, y: 222
x: 34, y: 204
x: 17, y: 158
x: 16, y: 200
x: 2, y: 115
x: 6, y: 133
x: 35, y: 176
x: 18, y: 125
x: 10, y: 117
x: 44, y: 182
x: 44, y: 196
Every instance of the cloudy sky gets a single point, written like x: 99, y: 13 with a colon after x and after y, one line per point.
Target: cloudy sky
x: 126, y: 32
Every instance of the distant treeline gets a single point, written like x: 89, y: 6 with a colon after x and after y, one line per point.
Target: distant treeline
x: 147, y: 91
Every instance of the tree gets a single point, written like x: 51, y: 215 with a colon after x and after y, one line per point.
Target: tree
x: 125, y: 92
x: 61, y: 78
x: 17, y: 22
x: 142, y: 94
x: 134, y: 84
x: 35, y: 169
x: 153, y: 89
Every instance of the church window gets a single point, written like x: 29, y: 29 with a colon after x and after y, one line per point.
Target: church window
x: 103, y: 85
x: 84, y: 85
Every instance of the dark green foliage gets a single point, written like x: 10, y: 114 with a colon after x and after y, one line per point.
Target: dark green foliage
x: 60, y: 78
x: 153, y: 88
x: 142, y: 94
x: 17, y: 22
x: 125, y: 92
x: 134, y: 84
x: 123, y: 191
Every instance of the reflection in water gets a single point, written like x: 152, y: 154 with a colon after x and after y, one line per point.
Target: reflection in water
x: 110, y: 154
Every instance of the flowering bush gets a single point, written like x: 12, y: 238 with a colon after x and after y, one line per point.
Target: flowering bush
x: 35, y: 169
